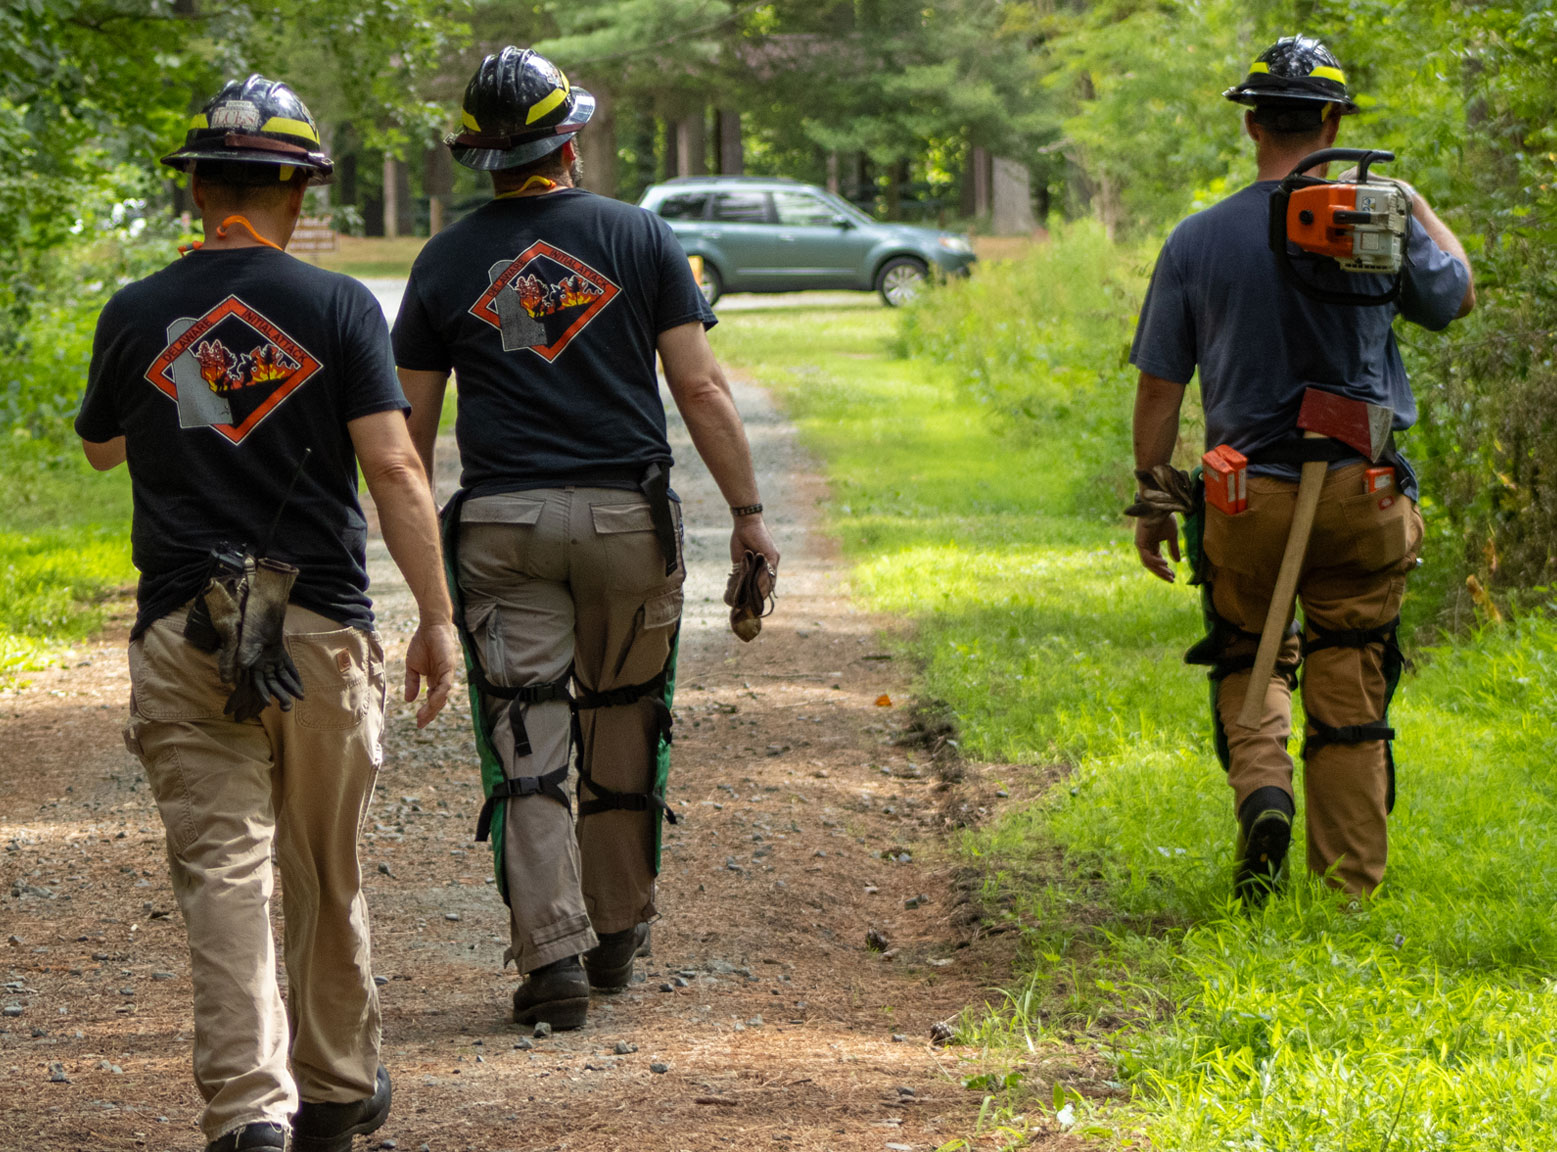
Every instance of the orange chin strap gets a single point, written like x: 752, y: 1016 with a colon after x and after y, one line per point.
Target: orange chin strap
x: 533, y: 182
x: 235, y: 218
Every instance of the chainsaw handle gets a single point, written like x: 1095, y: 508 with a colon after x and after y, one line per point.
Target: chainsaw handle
x: 1363, y: 157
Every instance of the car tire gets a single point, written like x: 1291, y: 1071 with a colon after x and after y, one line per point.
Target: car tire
x: 711, y: 285
x: 901, y: 279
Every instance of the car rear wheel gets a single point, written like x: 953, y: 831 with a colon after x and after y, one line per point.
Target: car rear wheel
x: 709, y: 283
x: 901, y: 280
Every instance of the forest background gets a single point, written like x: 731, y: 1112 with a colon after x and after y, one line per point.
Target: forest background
x: 1110, y: 108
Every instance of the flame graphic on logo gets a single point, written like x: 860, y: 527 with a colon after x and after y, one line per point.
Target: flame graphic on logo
x: 542, y: 299
x: 227, y: 373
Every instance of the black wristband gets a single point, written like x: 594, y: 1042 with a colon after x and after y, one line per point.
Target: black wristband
x: 745, y: 510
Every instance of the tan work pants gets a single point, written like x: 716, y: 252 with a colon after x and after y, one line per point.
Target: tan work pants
x: 550, y: 579
x: 1354, y: 577
x: 228, y: 793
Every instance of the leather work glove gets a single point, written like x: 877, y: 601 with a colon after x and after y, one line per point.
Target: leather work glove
x: 265, y: 673
x: 223, y: 600
x: 749, y: 593
x: 1164, y: 490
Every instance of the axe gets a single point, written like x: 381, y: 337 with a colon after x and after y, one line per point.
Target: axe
x: 1357, y: 424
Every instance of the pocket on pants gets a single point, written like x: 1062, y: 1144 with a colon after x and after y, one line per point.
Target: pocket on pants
x: 1252, y: 542
x: 1381, y: 527
x: 334, y: 670
x: 634, y: 560
x: 171, y: 679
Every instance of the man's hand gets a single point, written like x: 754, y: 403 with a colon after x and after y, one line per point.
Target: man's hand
x: 751, y: 534
x: 1151, y: 532
x: 433, y: 654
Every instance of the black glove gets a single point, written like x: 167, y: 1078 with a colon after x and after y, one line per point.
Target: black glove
x: 264, y: 672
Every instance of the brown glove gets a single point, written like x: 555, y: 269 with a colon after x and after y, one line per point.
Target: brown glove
x: 1164, y: 490
x: 749, y: 593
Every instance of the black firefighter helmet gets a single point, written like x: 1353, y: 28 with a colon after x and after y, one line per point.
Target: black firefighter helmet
x: 518, y: 107
x: 251, y: 126
x: 1296, y: 72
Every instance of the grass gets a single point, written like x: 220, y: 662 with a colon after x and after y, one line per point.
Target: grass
x: 1423, y: 1020
x: 369, y: 257
x: 64, y: 551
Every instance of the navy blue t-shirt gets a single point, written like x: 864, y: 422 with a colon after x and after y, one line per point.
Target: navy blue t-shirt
x: 219, y: 371
x: 1220, y: 302
x: 547, y: 309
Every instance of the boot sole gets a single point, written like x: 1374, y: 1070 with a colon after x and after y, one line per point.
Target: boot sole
x: 563, y: 1015
x: 1263, y: 862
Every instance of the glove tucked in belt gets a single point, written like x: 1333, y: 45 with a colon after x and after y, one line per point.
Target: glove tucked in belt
x: 241, y: 616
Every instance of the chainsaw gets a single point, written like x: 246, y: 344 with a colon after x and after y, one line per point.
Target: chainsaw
x: 1359, y: 224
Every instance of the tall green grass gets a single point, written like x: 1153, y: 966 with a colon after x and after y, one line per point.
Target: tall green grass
x: 1420, y: 1020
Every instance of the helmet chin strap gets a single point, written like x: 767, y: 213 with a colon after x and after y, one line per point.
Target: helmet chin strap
x: 238, y: 218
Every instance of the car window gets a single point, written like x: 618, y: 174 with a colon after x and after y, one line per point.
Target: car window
x: 684, y: 206
x: 741, y: 207
x: 798, y: 209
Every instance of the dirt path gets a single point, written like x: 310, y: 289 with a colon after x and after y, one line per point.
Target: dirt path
x: 763, y: 1020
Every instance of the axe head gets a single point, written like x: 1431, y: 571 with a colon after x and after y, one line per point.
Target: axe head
x: 1356, y: 423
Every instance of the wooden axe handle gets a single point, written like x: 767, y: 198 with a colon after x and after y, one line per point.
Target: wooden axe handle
x: 1312, y: 481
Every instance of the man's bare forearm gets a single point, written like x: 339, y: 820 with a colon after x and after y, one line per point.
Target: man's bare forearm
x: 409, y: 522
x: 1156, y: 422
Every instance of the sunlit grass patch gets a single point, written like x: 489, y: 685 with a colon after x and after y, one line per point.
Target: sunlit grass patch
x: 64, y: 551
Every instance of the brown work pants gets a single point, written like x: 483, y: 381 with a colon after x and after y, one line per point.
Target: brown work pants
x: 552, y: 579
x: 297, y: 782
x: 1353, y: 577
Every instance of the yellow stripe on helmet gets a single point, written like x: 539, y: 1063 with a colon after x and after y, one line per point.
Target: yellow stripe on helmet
x: 293, y: 127
x: 546, y: 103
x: 468, y: 121
x: 286, y: 171
x: 1259, y: 66
x: 199, y: 121
x: 1325, y: 72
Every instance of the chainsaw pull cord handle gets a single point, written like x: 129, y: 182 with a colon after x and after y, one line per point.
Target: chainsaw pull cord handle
x: 1363, y: 158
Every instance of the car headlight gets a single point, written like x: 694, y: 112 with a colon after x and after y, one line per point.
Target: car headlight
x: 957, y: 244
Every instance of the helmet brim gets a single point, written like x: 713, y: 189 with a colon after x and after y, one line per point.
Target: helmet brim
x: 526, y: 150
x: 320, y: 168
x: 1253, y: 97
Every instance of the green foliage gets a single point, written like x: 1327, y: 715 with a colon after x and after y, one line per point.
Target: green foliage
x: 64, y: 549
x: 1045, y: 340
x: 1420, y: 1021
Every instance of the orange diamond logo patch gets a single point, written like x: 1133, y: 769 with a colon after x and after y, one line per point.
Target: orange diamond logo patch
x: 229, y: 369
x: 542, y: 299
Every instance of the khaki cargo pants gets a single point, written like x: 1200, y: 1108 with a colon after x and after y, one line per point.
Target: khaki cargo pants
x: 550, y: 579
x: 1354, y: 577
x: 296, y: 783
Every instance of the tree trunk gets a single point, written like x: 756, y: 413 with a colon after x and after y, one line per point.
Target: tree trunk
x: 692, y: 145
x: 391, y: 197
x: 832, y: 173
x: 727, y: 135
x: 672, y: 151
x: 597, y: 144
x: 438, y: 179
x: 1011, y: 197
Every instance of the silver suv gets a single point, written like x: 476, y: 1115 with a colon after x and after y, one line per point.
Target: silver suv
x: 770, y: 235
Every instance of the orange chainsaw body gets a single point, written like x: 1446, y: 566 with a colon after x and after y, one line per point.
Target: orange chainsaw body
x: 1363, y: 226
